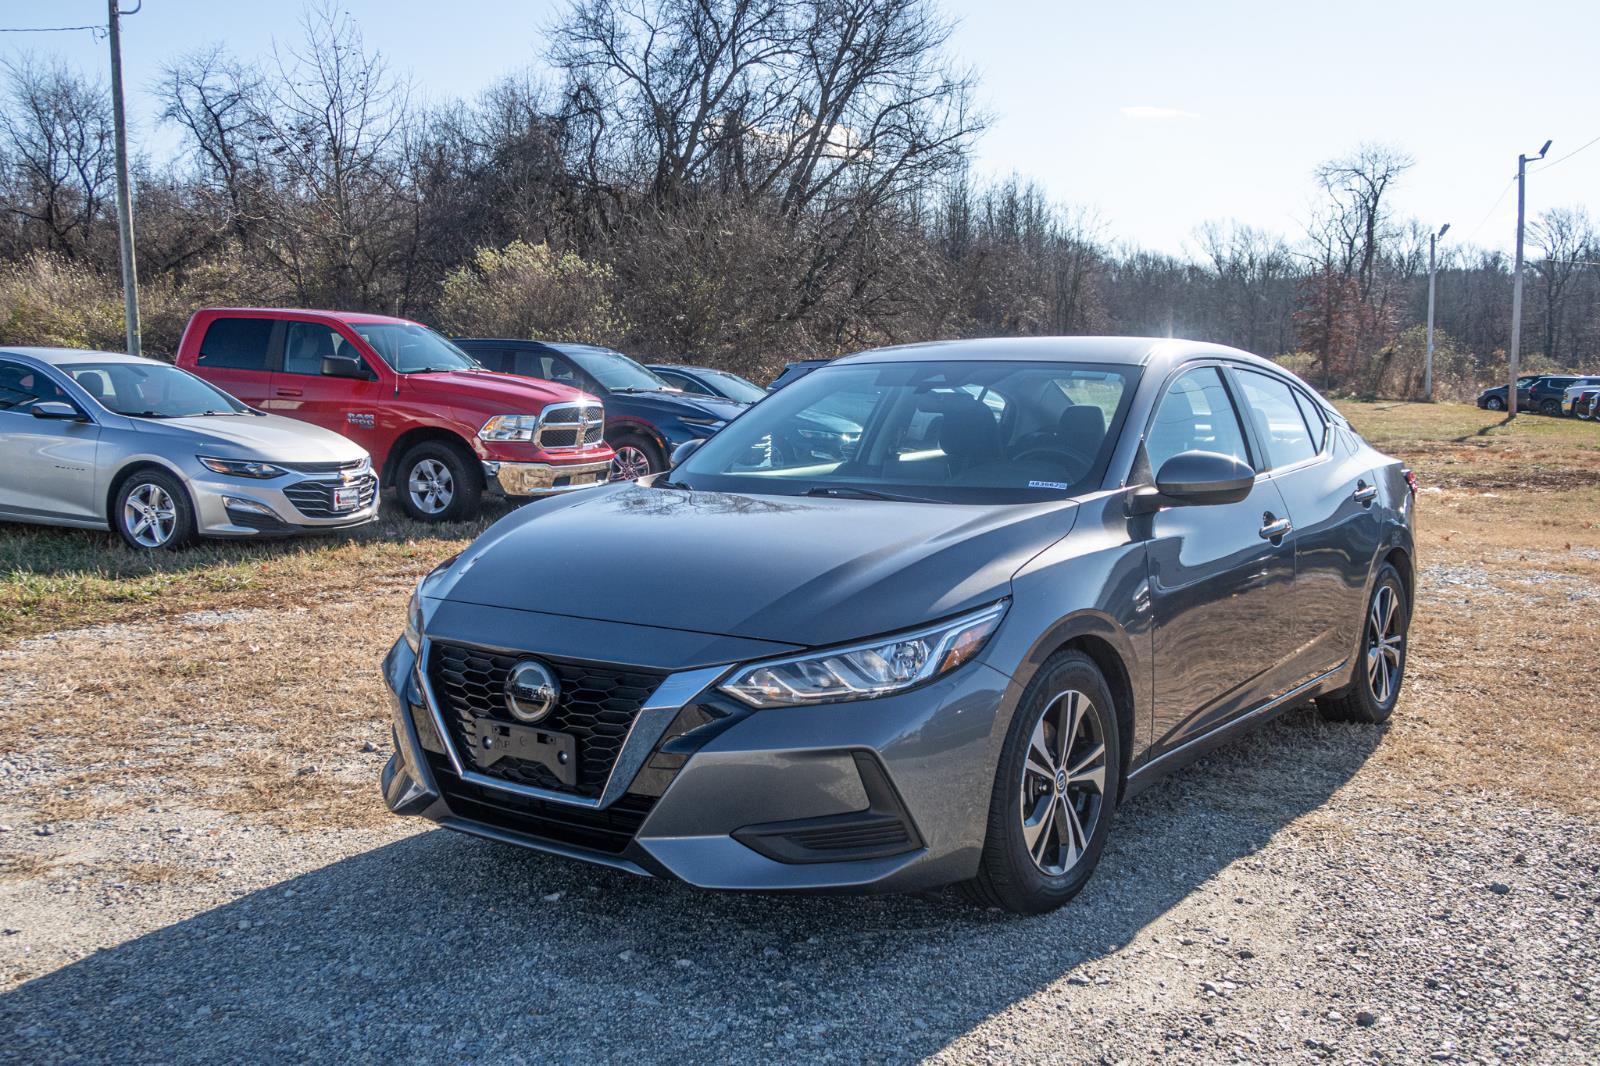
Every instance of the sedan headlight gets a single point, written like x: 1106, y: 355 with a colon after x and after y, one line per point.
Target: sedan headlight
x: 862, y: 671
x: 509, y: 427
x: 414, y: 618
x: 241, y: 467
x: 707, y: 421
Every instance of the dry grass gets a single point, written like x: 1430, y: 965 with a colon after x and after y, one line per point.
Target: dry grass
x: 244, y: 679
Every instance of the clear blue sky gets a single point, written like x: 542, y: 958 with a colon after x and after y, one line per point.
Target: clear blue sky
x: 1157, y: 115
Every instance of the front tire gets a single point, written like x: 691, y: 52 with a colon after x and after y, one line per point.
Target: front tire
x: 438, y: 483
x: 1550, y: 408
x: 636, y: 458
x: 1381, y: 665
x: 1494, y: 403
x: 1055, y: 792
x: 152, y: 512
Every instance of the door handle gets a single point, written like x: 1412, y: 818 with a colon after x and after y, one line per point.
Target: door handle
x: 1365, y: 494
x: 1274, y: 527
x: 289, y: 392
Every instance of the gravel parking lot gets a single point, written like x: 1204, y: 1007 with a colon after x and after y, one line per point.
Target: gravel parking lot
x: 223, y: 888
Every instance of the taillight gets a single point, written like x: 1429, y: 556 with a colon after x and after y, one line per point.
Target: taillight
x: 1411, y: 479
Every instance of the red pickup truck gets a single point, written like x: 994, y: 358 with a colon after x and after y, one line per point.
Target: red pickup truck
x: 440, y: 428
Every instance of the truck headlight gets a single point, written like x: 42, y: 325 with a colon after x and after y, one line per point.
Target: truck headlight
x: 241, y: 467
x: 873, y: 668
x: 509, y: 427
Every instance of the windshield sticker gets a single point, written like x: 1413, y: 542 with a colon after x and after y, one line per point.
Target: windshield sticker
x: 1049, y: 485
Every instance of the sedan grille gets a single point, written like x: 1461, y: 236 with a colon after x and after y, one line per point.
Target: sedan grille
x: 314, y: 499
x: 570, y: 425
x: 597, y: 707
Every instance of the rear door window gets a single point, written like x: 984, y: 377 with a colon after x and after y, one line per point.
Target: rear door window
x: 237, y: 344
x: 22, y: 386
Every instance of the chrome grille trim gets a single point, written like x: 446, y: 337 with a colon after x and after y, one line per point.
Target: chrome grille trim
x: 570, y: 425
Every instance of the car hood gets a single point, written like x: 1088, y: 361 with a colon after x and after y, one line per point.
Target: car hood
x: 485, y: 389
x: 268, y: 437
x: 671, y: 404
x: 779, y: 568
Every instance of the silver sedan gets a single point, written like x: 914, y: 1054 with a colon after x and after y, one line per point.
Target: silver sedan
x: 99, y: 440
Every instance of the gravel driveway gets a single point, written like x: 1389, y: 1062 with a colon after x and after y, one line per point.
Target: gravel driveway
x: 1270, y: 903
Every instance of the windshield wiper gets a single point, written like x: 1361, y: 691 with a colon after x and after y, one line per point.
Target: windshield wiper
x: 637, y: 388
x: 853, y: 492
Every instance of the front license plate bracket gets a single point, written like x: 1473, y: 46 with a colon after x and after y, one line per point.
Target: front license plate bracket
x: 556, y: 752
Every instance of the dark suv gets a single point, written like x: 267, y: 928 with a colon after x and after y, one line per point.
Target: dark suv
x: 646, y: 418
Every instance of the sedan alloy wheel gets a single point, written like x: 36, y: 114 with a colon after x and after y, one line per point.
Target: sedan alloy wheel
x: 1063, y: 783
x: 150, y: 516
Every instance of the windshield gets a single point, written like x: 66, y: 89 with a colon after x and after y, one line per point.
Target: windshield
x: 947, y: 432
x: 733, y: 386
x: 615, y: 371
x: 151, y: 390
x: 412, y: 349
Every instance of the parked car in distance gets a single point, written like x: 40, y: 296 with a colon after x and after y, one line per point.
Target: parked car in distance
x: 98, y: 440
x: 1546, y: 393
x: 1494, y: 397
x: 794, y: 371
x: 1587, y: 404
x: 441, y: 428
x: 704, y: 381
x: 1051, y: 570
x: 1569, y: 396
x: 646, y: 418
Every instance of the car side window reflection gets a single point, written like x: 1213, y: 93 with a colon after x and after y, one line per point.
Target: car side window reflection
x: 1195, y: 415
x: 307, y: 344
x: 1278, y: 421
x: 22, y: 386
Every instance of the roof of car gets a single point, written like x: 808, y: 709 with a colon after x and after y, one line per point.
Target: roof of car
x: 1128, y: 351
x: 68, y: 356
x: 350, y: 317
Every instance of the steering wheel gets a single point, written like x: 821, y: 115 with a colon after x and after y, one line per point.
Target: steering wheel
x: 1059, y: 453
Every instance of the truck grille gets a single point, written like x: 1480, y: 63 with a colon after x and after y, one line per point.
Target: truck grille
x: 314, y: 499
x: 570, y: 425
x: 597, y: 707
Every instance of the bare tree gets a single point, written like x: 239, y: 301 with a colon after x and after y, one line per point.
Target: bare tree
x: 1562, y: 237
x: 55, y: 155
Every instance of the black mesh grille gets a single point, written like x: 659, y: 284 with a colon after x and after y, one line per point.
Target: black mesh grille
x: 597, y: 706
x: 314, y: 499
x: 609, y: 830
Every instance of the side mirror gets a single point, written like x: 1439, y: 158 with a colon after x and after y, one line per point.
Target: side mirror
x: 1193, y: 479
x: 58, y: 411
x: 340, y: 366
x: 684, y: 450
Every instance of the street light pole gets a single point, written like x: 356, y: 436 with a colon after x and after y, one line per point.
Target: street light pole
x: 1516, y: 282
x: 130, y: 277
x: 1427, y: 371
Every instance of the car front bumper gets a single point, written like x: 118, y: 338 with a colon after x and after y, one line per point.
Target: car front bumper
x: 243, y: 507
x: 542, y: 479
x: 763, y: 800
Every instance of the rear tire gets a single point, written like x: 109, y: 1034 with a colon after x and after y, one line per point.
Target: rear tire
x: 152, y: 512
x: 1054, y: 793
x: 1380, y: 660
x: 439, y: 482
x: 1550, y: 408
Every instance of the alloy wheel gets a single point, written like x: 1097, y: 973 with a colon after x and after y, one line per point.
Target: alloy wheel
x: 1385, y: 644
x: 629, y: 464
x: 150, y: 516
x: 431, y: 486
x: 1063, y: 782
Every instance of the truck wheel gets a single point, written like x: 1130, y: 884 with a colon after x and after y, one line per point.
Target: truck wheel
x: 439, y: 483
x: 152, y: 512
x: 636, y: 457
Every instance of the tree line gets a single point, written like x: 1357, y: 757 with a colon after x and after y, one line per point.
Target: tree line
x: 738, y: 182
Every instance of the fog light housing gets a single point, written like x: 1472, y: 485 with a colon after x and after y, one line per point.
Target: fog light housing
x: 235, y: 503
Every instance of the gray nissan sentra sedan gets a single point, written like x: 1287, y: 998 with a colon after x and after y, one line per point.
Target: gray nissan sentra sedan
x: 1048, y: 571
x: 98, y: 440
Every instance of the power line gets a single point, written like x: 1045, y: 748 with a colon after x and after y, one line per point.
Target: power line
x: 1489, y: 213
x: 95, y: 29
x: 1569, y: 155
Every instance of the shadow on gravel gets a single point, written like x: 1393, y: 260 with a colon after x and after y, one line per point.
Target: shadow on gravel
x: 445, y: 948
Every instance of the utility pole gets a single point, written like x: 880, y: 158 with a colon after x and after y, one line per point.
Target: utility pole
x: 1427, y: 371
x: 130, y: 278
x: 1516, y: 282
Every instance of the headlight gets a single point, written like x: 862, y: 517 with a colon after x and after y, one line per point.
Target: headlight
x: 414, y: 618
x: 708, y: 421
x: 241, y: 467
x: 862, y: 671
x: 509, y: 427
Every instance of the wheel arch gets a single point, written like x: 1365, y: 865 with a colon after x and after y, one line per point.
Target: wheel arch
x: 422, y: 435
x: 132, y: 467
